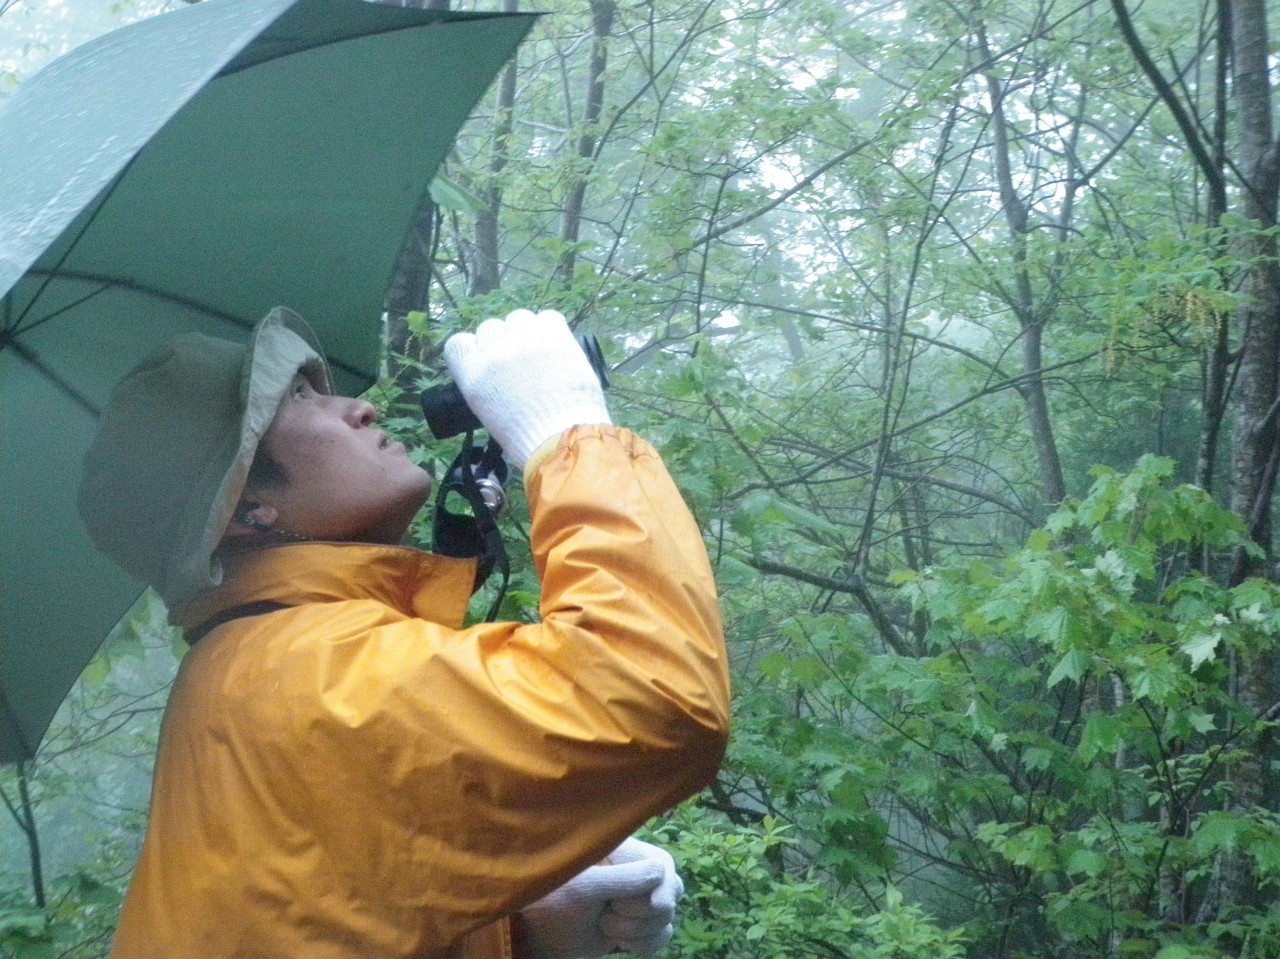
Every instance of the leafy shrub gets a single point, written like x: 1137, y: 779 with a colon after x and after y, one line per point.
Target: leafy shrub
x: 740, y: 903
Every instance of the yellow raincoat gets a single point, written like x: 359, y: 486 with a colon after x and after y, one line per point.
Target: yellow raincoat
x: 357, y: 776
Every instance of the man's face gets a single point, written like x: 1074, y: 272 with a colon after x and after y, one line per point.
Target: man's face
x: 346, y: 481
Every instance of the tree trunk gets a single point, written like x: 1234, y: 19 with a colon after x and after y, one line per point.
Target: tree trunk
x: 23, y: 811
x: 602, y: 12
x: 1217, y: 351
x: 1255, y: 447
x: 411, y: 282
x: 485, y: 269
x: 1052, y: 484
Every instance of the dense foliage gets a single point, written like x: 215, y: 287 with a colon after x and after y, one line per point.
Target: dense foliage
x: 958, y: 322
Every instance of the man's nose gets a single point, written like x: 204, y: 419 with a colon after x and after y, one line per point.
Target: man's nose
x: 361, y: 412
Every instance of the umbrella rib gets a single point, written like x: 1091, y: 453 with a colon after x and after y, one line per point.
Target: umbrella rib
x: 109, y: 282
x: 56, y: 313
x: 49, y: 275
x: 57, y: 380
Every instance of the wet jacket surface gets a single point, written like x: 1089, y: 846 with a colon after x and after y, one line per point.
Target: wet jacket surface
x: 358, y: 776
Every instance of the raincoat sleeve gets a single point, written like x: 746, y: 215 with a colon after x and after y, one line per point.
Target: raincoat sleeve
x: 498, y: 761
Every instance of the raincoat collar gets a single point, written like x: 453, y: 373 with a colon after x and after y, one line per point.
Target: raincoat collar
x: 417, y: 584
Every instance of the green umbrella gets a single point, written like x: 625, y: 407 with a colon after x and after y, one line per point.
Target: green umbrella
x: 189, y: 172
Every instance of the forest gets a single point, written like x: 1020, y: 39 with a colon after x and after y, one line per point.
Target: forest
x: 958, y: 324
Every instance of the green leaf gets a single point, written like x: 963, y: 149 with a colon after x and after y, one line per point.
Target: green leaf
x: 1051, y: 626
x: 1155, y: 682
x: 1112, y: 565
x: 1201, y: 722
x: 1102, y: 735
x: 809, y: 670
x: 1073, y: 666
x: 1036, y: 758
x: 1219, y: 832
x: 451, y: 196
x: 1086, y: 862
x: 95, y: 674
x: 848, y: 794
x: 1202, y: 647
x: 733, y: 572
x: 769, y: 508
x: 804, y: 518
x: 1040, y: 541
x: 1002, y: 608
x: 28, y: 922
x: 91, y: 892
x: 417, y: 322
x: 1265, y: 851
x: 37, y: 949
x: 773, y: 665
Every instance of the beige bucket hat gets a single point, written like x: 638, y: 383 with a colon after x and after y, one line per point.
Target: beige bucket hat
x: 175, y: 443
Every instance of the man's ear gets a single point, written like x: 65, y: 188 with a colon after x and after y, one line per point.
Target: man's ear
x: 252, y: 519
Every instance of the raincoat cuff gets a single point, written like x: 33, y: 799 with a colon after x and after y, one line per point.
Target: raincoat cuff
x: 539, y: 455
x: 567, y: 438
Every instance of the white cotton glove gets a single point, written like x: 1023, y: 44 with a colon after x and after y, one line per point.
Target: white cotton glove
x: 645, y: 924
x: 526, y: 379
x: 628, y: 905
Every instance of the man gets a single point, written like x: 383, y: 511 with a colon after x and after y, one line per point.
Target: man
x: 346, y: 771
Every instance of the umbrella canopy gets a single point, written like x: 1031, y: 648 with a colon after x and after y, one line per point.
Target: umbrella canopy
x: 190, y: 172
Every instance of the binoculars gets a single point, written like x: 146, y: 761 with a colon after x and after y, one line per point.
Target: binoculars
x: 447, y: 413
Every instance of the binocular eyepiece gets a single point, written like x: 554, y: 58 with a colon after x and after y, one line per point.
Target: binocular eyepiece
x: 447, y: 413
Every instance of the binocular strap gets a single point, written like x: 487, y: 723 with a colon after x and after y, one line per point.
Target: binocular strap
x: 474, y: 534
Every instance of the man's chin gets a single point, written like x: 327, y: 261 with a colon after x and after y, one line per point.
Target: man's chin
x: 392, y: 529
